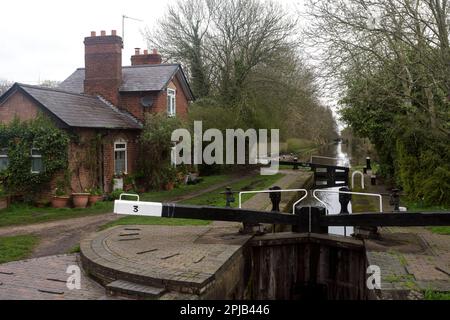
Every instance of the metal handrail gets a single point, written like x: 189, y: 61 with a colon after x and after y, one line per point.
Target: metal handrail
x: 322, y: 157
x: 347, y: 192
x: 129, y: 195
x: 281, y: 190
x: 353, y: 178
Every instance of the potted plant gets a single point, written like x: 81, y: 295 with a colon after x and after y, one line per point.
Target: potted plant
x: 128, y: 182
x: 4, y: 198
x: 169, y: 176
x: 60, y: 198
x: 80, y: 199
x: 96, y: 195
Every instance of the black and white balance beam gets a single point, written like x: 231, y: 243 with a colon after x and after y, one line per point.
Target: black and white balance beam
x: 172, y: 210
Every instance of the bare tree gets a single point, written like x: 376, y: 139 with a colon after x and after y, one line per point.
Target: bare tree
x: 4, y: 86
x: 221, y: 41
x: 367, y: 34
x: 180, y: 36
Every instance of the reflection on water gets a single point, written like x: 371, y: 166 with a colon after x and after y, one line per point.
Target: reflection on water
x: 331, y: 199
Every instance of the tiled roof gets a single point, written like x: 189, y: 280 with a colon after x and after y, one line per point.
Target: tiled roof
x: 79, y: 110
x: 134, y: 78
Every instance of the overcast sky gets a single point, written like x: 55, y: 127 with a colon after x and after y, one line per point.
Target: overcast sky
x: 43, y: 40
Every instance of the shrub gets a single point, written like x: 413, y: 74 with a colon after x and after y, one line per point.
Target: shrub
x: 19, y: 138
x: 155, y: 149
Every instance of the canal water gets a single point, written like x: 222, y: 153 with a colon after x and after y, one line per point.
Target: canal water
x: 342, y: 156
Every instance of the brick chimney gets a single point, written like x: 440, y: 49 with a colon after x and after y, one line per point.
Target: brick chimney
x: 145, y: 58
x: 103, y: 65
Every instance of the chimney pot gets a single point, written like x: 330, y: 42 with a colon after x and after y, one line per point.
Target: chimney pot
x: 137, y: 51
x: 155, y: 51
x: 145, y: 51
x: 114, y: 32
x: 93, y: 33
x: 103, y: 33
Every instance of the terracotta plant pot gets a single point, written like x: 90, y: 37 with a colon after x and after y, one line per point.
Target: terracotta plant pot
x: 60, y: 201
x: 169, y: 186
x: 80, y: 200
x: 93, y: 199
x: 4, y: 202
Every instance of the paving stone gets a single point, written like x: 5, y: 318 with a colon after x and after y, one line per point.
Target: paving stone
x: 30, y: 280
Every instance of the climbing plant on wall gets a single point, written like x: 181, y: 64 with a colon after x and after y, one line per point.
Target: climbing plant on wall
x: 19, y: 137
x: 88, y: 160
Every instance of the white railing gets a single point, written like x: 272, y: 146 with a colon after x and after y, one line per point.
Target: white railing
x: 322, y: 157
x: 129, y: 195
x: 353, y: 179
x: 270, y: 191
x: 348, y: 192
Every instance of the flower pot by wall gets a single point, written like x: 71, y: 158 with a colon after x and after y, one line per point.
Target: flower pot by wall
x: 4, y: 202
x: 60, y: 201
x: 93, y: 199
x: 80, y: 200
x: 169, y: 186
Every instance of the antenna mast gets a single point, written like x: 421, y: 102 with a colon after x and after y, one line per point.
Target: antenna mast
x: 123, y: 25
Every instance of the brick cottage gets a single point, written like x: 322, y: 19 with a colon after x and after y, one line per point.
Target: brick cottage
x: 104, y: 100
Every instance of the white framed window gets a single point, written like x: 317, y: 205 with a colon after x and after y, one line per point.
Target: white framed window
x: 4, y: 160
x: 37, y: 166
x: 120, y: 157
x: 171, y: 102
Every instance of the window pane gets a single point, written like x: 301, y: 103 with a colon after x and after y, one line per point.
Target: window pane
x: 3, y: 163
x: 119, y: 162
x: 35, y: 152
x: 170, y: 101
x: 37, y: 165
x: 120, y: 145
x: 4, y: 152
x: 173, y: 105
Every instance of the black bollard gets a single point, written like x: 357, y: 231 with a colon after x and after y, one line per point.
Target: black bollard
x: 275, y: 198
x: 229, y: 196
x: 368, y: 163
x: 295, y: 164
x: 365, y: 170
x: 395, y: 199
x: 373, y: 180
x: 344, y: 200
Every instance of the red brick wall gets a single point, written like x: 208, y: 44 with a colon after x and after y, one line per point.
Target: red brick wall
x: 181, y: 99
x: 103, y: 63
x: 108, y: 155
x: 146, y: 58
x: 18, y: 105
x: 131, y: 101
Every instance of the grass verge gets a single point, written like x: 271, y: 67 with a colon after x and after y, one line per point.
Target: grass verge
x: 208, y: 181
x: 362, y: 203
x: 16, y: 247
x: 434, y: 295
x: 20, y: 214
x: 420, y: 207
